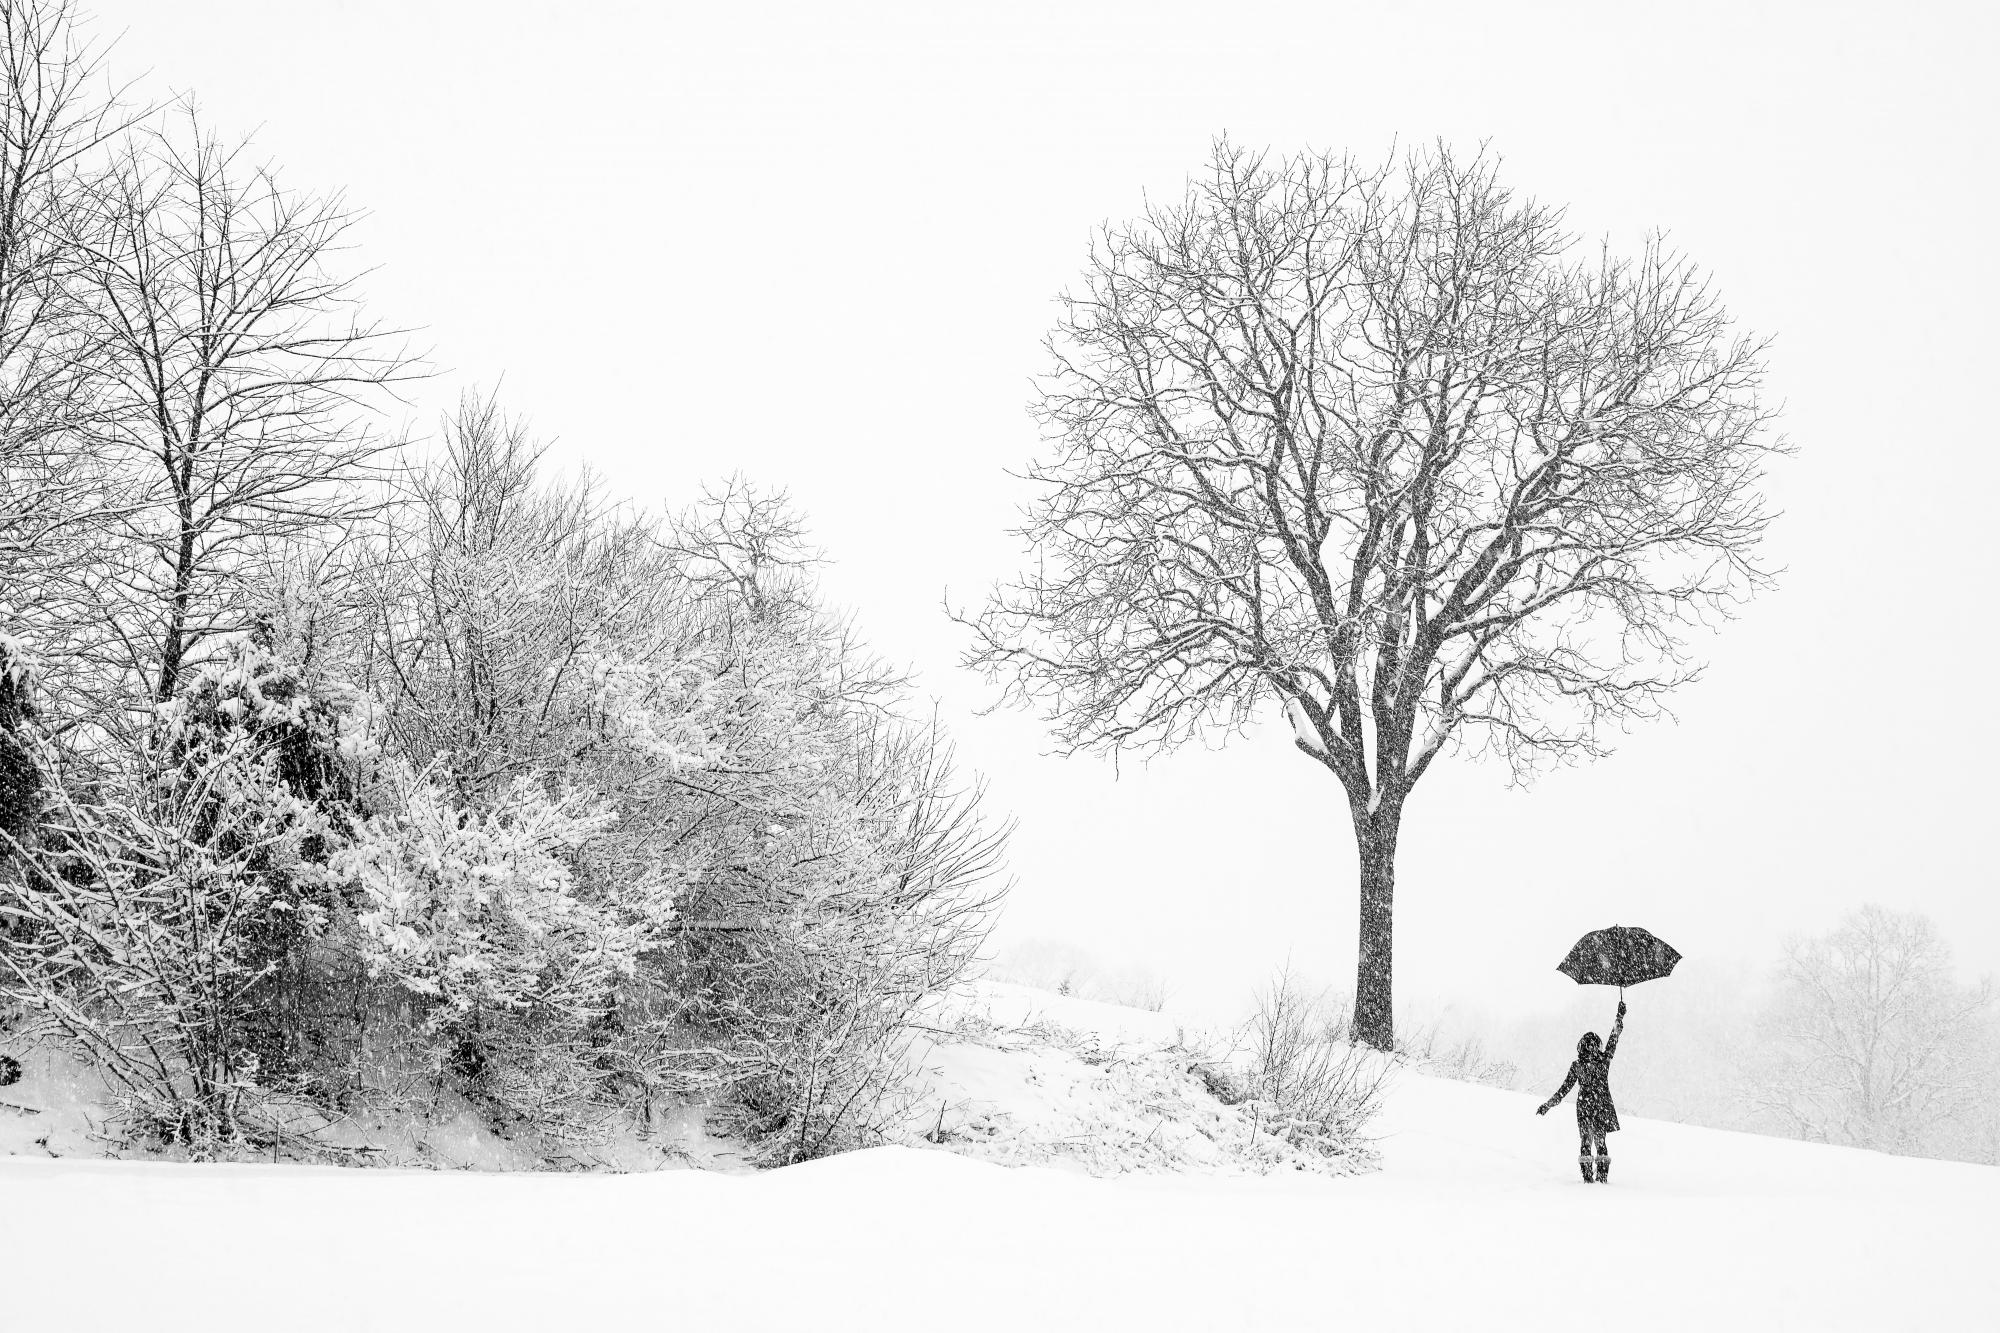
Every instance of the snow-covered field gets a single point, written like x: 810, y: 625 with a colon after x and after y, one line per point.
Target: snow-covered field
x: 1477, y: 1220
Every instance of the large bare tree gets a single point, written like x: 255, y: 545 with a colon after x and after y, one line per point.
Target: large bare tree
x: 1389, y: 448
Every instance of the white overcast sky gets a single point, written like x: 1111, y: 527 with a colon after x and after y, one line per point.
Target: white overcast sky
x: 818, y: 243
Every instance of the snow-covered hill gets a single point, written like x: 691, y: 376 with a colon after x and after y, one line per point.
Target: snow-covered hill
x: 1477, y: 1220
x: 1026, y: 1078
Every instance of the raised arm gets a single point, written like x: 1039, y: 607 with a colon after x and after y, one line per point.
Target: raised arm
x: 1561, y: 1092
x: 1611, y: 1047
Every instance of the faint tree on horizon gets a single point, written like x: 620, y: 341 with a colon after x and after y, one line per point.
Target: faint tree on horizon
x: 1391, y: 449
x: 1873, y: 1043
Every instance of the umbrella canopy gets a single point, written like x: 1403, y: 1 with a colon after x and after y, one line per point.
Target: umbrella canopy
x: 1619, y: 956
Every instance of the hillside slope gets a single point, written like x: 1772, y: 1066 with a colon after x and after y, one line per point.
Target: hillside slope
x: 1476, y: 1220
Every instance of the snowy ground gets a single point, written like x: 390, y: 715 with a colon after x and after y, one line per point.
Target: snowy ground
x: 1476, y: 1221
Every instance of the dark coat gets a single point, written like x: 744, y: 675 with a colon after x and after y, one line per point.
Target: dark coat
x: 1590, y: 1075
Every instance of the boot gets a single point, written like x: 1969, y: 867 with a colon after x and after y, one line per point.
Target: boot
x: 1589, y: 1169
x: 1604, y: 1170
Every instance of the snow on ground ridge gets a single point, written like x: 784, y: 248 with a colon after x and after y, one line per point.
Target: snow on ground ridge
x: 1025, y: 1077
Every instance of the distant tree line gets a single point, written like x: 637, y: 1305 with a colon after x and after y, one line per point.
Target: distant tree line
x: 341, y: 767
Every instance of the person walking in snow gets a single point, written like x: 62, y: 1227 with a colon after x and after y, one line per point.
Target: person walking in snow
x: 1596, y: 1117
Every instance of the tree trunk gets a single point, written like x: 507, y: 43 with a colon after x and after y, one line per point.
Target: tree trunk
x: 174, y: 649
x: 1374, y: 1012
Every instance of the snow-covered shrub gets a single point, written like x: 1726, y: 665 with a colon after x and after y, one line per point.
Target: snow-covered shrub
x: 802, y: 971
x: 151, y: 915
x: 310, y: 741
x: 867, y: 892
x: 165, y: 916
x: 523, y: 641
x: 474, y: 914
x: 1312, y: 1084
x: 1042, y: 1093
x: 817, y: 1039
x: 872, y: 909
x: 476, y: 910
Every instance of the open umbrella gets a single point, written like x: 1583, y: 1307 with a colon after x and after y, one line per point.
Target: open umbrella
x: 1619, y: 956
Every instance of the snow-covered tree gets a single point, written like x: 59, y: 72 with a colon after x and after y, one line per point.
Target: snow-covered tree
x: 1872, y: 1041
